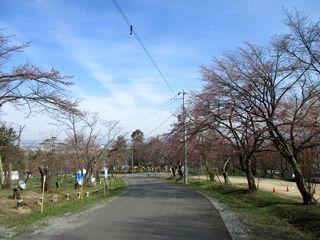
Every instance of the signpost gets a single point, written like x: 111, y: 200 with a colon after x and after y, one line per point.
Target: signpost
x: 79, y: 178
x: 43, y: 185
x: 105, y: 179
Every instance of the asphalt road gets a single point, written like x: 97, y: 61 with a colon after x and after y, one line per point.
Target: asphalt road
x: 151, y: 209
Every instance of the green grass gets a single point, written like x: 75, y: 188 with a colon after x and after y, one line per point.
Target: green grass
x: 19, y: 223
x: 266, y: 215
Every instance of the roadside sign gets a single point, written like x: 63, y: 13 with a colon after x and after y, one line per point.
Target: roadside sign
x: 80, y: 175
x: 105, y: 173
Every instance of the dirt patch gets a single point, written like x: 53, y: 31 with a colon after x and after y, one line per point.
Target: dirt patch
x: 23, y: 210
x: 8, y: 205
x: 281, y: 187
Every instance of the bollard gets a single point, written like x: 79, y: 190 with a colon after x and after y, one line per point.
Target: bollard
x: 20, y: 203
x: 39, y: 201
x: 54, y: 198
x: 66, y: 196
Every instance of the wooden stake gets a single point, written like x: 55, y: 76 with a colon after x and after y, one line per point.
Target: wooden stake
x: 81, y: 192
x: 43, y: 185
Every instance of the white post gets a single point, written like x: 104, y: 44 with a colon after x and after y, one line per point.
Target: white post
x: 43, y: 185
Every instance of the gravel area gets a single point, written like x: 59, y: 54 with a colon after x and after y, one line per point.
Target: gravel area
x: 236, y: 228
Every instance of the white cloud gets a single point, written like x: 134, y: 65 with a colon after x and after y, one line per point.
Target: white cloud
x: 132, y: 90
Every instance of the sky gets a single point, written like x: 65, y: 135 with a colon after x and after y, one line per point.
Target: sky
x: 112, y: 74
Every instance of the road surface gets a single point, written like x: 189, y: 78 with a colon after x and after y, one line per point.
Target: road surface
x: 150, y: 209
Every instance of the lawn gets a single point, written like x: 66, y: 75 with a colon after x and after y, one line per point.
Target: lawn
x: 265, y: 214
x: 15, y: 221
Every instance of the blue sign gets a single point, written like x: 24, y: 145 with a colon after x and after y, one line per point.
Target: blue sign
x: 126, y: 167
x: 80, y: 175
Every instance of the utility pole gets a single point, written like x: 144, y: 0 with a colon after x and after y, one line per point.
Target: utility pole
x: 132, y: 170
x: 185, y: 173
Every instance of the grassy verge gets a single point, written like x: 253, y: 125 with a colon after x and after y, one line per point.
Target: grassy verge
x: 17, y: 222
x: 266, y: 215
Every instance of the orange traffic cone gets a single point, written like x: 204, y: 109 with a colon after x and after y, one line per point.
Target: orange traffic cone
x: 287, y: 189
x: 273, y: 189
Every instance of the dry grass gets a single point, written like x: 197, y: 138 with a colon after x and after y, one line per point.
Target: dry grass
x: 267, y: 184
x: 14, y: 220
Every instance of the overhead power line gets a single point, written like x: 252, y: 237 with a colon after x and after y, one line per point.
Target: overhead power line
x: 135, y: 34
x: 152, y: 113
x: 157, y: 127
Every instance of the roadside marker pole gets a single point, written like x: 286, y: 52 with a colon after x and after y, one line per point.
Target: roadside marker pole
x: 104, y: 188
x: 43, y: 183
x: 81, y: 192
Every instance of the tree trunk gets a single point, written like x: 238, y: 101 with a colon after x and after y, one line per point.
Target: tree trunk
x: 1, y: 180
x: 180, y: 171
x: 251, y: 182
x: 97, y: 176
x: 173, y: 170
x: 224, y: 171
x: 307, y: 196
x: 87, y: 176
x: 290, y: 157
x: 209, y: 169
x: 7, y: 176
x: 210, y: 173
x: 245, y: 161
x: 45, y: 172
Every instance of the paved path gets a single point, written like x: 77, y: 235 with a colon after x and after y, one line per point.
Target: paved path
x: 151, y: 209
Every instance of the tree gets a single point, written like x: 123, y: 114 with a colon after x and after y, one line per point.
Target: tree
x: 209, y: 148
x: 9, y: 151
x: 218, y: 108
x: 172, y: 151
x: 28, y: 85
x: 137, y: 136
x: 50, y: 160
x: 121, y: 154
x: 277, y: 85
x: 89, y: 139
x: 153, y: 153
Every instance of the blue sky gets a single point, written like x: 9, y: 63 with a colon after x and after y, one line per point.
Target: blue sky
x: 90, y: 41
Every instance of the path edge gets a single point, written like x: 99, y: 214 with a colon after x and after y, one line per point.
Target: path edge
x: 232, y: 222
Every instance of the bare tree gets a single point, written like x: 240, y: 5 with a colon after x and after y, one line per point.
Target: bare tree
x: 50, y: 160
x: 28, y: 85
x: 280, y: 89
x: 219, y: 109
x: 89, y: 139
